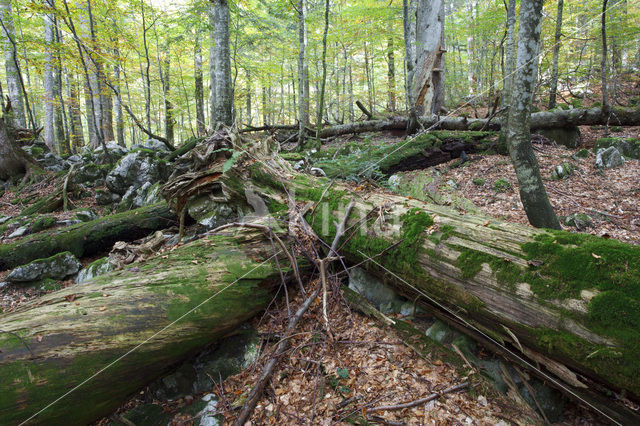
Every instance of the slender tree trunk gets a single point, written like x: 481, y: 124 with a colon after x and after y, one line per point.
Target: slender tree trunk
x: 168, y: 105
x: 14, y: 84
x: 532, y: 193
x: 409, y: 46
x: 147, y: 79
x: 323, y: 82
x: 509, y: 69
x: 603, y: 60
x: 75, y: 115
x: 118, y: 99
x: 391, y: 74
x: 212, y: 65
x: 223, y: 104
x: 248, y: 100
x: 556, y: 53
x: 61, y: 119
x: 49, y: 84
x: 199, y: 88
x: 303, y: 73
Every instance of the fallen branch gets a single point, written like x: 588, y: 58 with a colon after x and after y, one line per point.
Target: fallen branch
x: 421, y: 400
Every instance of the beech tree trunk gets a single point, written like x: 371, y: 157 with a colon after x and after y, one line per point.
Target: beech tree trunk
x: 199, y: 87
x: 303, y: 73
x: 14, y: 83
x: 135, y: 324
x: 222, y: 65
x: 48, y: 133
x: 556, y: 53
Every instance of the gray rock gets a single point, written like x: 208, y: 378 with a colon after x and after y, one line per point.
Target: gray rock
x: 105, y: 198
x: 116, y: 152
x: 86, y: 215
x: 74, y: 159
x: 53, y: 163
x: 562, y: 171
x: 134, y: 170
x: 440, y: 332
x: 608, y: 158
x: 21, y: 231
x: 91, y: 174
x: 94, y: 269
x: 629, y: 148
x: 394, y: 182
x: 68, y: 222
x: 154, y: 195
x: 210, y: 213
x: 4, y: 219
x: 208, y: 415
x: 155, y: 145
x: 580, y: 221
x: 56, y: 267
x: 375, y: 291
x: 229, y: 357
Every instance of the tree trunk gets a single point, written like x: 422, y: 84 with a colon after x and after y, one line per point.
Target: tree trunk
x: 199, y: 88
x: 223, y: 102
x: 48, y: 133
x: 118, y: 99
x: 532, y: 193
x: 169, y: 121
x: 429, y: 73
x: 323, y: 82
x: 14, y: 84
x: 135, y: 324
x: 509, y: 68
x: 408, y: 20
x: 75, y: 118
x: 391, y: 74
x: 603, y: 61
x: 539, y: 120
x: 556, y: 53
x: 11, y: 164
x: 303, y: 73
x: 87, y: 238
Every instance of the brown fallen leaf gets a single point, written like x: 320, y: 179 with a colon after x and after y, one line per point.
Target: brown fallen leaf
x: 70, y: 297
x: 102, y: 308
x: 39, y: 338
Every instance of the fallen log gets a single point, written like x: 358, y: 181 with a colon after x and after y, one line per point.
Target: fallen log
x: 569, y: 299
x: 74, y: 355
x: 87, y: 238
x: 539, y: 120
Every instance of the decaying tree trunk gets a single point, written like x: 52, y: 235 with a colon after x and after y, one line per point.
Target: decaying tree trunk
x: 82, y: 350
x: 539, y: 120
x: 87, y: 238
x: 555, y: 298
x: 428, y: 80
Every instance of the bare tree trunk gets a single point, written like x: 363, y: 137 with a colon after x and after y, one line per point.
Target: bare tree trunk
x: 14, y: 84
x: 199, y: 88
x: 509, y: 69
x: 147, y: 80
x: 603, y: 61
x: 409, y: 46
x: 323, y: 82
x: 556, y: 53
x: 169, y: 121
x: 212, y: 66
x: 303, y: 73
x: 48, y: 133
x: 391, y: 74
x: 223, y: 104
x: 532, y: 193
x: 75, y: 117
x: 61, y: 119
x: 248, y: 99
x: 118, y: 100
x: 428, y: 80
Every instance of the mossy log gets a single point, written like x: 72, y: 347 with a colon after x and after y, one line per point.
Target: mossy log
x: 83, y: 350
x: 87, y: 238
x: 567, y: 302
x: 539, y: 120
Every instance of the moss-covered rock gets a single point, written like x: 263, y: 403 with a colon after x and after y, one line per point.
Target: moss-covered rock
x: 94, y: 269
x: 608, y: 158
x: 580, y: 221
x: 42, y: 223
x: 501, y: 185
x: 582, y: 153
x: 59, y: 267
x: 629, y: 147
x: 567, y: 136
x: 562, y: 171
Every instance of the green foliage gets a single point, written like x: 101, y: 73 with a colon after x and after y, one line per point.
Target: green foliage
x: 479, y: 181
x: 501, y: 185
x: 42, y: 223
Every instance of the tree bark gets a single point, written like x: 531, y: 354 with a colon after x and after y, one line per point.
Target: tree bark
x: 323, y: 82
x: 118, y: 99
x: 223, y: 102
x: 532, y: 193
x: 509, y: 68
x: 303, y: 73
x: 199, y: 87
x: 87, y: 238
x: 48, y: 133
x: 391, y: 74
x: 428, y: 79
x: 75, y: 120
x: 603, y: 60
x: 14, y: 83
x: 409, y: 31
x: 556, y: 53
x: 98, y: 343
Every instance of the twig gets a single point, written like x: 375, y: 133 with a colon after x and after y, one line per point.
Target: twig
x: 421, y: 400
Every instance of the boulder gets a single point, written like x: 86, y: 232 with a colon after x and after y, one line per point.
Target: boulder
x: 567, y: 136
x: 210, y: 213
x: 53, y: 163
x: 58, y: 267
x: 134, y: 170
x: 105, y: 198
x: 383, y: 297
x: 581, y: 154
x: 580, y: 221
x: 20, y: 232
x: 562, y: 171
x: 608, y: 158
x: 629, y: 148
x: 86, y: 215
x: 116, y: 152
x: 91, y: 174
x: 74, y: 160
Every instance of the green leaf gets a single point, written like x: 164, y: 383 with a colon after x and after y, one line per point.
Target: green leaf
x: 343, y: 372
x: 231, y: 161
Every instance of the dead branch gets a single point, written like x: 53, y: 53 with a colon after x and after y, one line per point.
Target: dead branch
x: 421, y: 400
